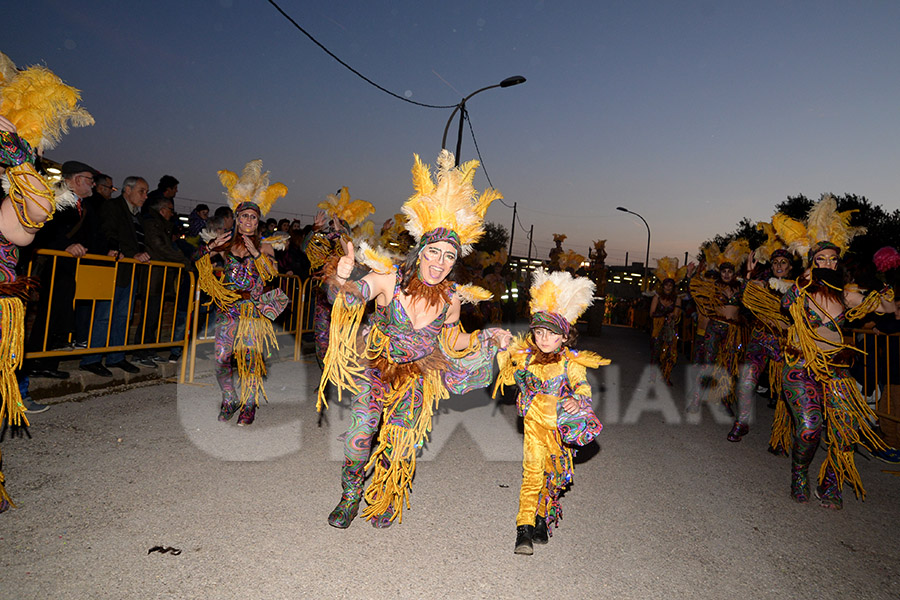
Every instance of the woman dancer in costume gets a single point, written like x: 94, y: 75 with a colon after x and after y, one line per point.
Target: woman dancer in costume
x: 415, y: 352
x: 554, y: 398
x: 665, y: 312
x: 37, y: 107
x: 817, y: 384
x: 762, y: 297
x: 246, y: 309
x: 337, y: 215
x: 720, y: 299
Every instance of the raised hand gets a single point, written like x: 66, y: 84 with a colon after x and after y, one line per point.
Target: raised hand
x: 345, y: 264
x: 248, y: 243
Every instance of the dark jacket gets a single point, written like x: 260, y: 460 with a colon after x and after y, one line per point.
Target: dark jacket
x: 158, y: 233
x: 117, y: 228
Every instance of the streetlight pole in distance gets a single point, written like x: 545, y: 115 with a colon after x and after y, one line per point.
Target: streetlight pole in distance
x: 645, y: 285
x: 461, y: 108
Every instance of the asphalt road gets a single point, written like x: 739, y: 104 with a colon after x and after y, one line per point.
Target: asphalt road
x: 662, y: 507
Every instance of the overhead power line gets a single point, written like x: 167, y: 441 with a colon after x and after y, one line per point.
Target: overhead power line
x: 351, y: 69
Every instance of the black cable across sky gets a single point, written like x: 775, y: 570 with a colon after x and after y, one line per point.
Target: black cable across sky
x: 351, y: 69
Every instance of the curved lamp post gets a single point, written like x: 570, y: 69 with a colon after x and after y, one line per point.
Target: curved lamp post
x: 646, y: 283
x: 461, y: 108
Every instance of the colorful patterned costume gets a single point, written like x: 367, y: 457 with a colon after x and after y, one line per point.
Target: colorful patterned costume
x: 550, y: 431
x: 243, y: 326
x: 664, y: 349
x: 12, y: 324
x: 767, y: 340
x: 723, y: 341
x: 405, y: 373
x: 821, y: 394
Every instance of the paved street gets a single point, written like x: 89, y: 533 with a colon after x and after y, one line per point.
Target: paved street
x: 663, y: 507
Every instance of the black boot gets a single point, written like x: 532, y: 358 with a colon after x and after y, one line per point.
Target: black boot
x: 524, y: 534
x: 540, y: 530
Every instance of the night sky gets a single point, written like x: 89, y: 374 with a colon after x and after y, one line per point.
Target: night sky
x: 693, y: 114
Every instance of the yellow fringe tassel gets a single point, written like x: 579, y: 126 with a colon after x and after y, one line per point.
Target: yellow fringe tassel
x: 847, y: 417
x: 782, y: 428
x: 870, y: 304
x: 705, y: 294
x: 394, y: 459
x: 449, y: 336
x: 12, y: 345
x: 253, y: 341
x: 341, y: 362
x: 766, y: 307
x: 267, y: 269
x: 209, y: 283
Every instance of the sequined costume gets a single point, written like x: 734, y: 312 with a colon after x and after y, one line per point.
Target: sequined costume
x: 664, y: 348
x: 821, y: 394
x: 550, y: 432
x: 243, y: 326
x: 397, y: 379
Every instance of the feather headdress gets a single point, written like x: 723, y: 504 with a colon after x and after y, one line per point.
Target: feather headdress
x: 773, y: 243
x: 340, y: 206
x: 559, y: 238
x: 39, y: 104
x: 448, y: 208
x: 735, y: 253
x: 570, y: 259
x: 667, y: 268
x: 823, y: 224
x: 252, y: 188
x: 558, y: 299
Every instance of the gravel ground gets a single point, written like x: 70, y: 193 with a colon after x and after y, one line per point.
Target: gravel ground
x: 661, y: 508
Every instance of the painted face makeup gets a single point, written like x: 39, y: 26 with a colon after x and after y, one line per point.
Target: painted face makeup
x: 547, y: 341
x: 436, y: 261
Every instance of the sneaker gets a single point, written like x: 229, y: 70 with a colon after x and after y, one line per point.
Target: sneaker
x: 173, y: 358
x: 157, y: 358
x: 889, y: 455
x: 80, y: 345
x: 144, y: 361
x: 761, y: 389
x: 96, y: 369
x: 33, y: 407
x: 126, y: 366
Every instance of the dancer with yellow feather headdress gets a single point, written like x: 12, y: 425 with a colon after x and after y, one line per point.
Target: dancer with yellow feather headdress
x: 818, y: 387
x: 719, y: 299
x: 665, y: 311
x: 246, y: 307
x: 36, y: 108
x: 415, y: 353
x: 768, y: 278
x: 554, y: 398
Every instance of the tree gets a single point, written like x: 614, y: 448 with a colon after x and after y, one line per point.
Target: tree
x: 495, y: 238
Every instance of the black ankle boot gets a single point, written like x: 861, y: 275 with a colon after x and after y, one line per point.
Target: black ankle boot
x: 524, y: 533
x: 540, y: 530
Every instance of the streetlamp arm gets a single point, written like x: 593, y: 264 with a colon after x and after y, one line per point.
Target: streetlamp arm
x: 509, y: 81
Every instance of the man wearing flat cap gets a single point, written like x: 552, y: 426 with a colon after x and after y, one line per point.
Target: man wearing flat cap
x: 69, y: 231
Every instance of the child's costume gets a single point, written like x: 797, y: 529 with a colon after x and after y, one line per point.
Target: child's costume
x: 545, y: 382
x: 246, y: 307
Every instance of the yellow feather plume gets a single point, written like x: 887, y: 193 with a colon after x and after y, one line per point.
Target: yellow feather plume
x: 561, y: 293
x: 667, y: 268
x: 353, y: 211
x: 472, y: 294
x: 570, y: 260
x: 772, y: 243
x: 252, y: 186
x: 40, y: 105
x: 736, y: 252
x: 449, y: 202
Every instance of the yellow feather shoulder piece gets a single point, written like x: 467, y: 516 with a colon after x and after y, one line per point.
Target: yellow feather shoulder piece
x: 587, y: 359
x: 376, y: 259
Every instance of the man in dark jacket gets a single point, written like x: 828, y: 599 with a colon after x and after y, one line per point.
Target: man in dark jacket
x: 69, y: 231
x: 123, y: 232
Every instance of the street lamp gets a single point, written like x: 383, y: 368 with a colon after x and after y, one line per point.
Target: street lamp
x: 646, y: 282
x: 461, y: 107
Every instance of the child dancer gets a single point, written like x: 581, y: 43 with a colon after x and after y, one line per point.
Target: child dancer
x: 554, y: 398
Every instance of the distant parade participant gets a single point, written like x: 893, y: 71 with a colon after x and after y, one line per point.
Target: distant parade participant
x: 665, y: 315
x: 36, y: 108
x: 554, y: 398
x: 768, y: 278
x: 246, y: 308
x: 818, y: 387
x: 337, y: 217
x: 415, y: 353
x: 719, y: 298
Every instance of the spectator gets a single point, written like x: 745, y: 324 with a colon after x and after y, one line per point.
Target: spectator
x: 284, y: 225
x: 123, y: 231
x: 294, y: 261
x: 271, y: 226
x: 159, y: 231
x: 69, y: 232
x: 227, y: 216
x: 196, y: 222
x: 296, y: 226
x: 166, y: 188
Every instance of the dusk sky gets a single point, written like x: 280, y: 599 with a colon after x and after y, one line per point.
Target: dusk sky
x: 693, y: 114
